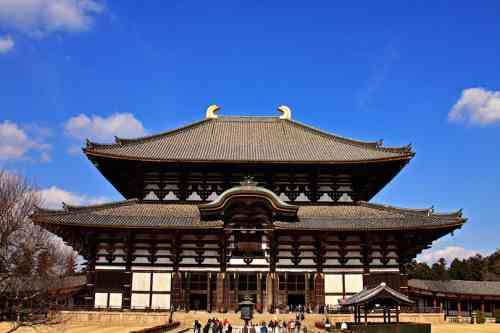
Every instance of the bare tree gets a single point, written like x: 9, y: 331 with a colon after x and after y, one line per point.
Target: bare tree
x: 31, y: 259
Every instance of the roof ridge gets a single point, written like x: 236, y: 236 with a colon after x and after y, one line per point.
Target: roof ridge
x: 416, y: 211
x: 376, y: 145
x: 125, y: 141
x: 70, y: 208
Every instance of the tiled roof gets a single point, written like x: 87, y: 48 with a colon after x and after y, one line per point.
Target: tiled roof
x: 372, y: 294
x: 343, y: 217
x: 369, y: 216
x: 247, y: 139
x: 129, y: 213
x: 462, y: 287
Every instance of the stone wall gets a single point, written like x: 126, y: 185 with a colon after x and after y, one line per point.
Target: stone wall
x: 187, y: 318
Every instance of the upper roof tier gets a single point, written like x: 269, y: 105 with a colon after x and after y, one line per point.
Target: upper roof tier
x: 248, y: 140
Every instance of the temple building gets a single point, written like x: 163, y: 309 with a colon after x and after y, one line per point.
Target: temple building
x: 230, y: 207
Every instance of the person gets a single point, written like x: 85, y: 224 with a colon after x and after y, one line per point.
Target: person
x: 252, y: 329
x: 302, y: 315
x: 229, y: 327
x: 272, y: 327
x: 343, y: 326
x: 297, y: 326
x: 327, y: 324
x: 263, y: 327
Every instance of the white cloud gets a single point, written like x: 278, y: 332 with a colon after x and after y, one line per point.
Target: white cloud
x: 6, y: 44
x: 53, y: 197
x: 449, y: 253
x: 477, y: 106
x: 40, y: 17
x: 103, y: 129
x: 15, y: 143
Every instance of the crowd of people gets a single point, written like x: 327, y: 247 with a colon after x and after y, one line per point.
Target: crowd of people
x: 215, y: 325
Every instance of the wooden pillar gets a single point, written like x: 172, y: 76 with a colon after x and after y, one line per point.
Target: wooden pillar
x: 482, y: 305
x: 319, y: 289
x: 366, y: 315
x: 209, y: 292
x: 176, y: 287
x: 236, y: 289
x: 307, y: 301
x: 258, y: 297
x: 459, y: 309
x: 220, y: 292
x: 188, y: 290
x: 434, y: 302
x: 127, y: 287
x: 397, y: 314
x: 389, y: 315
x: 269, y: 302
x: 385, y: 315
x: 91, y: 257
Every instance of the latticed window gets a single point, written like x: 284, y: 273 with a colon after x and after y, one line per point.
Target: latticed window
x: 282, y: 284
x: 199, y: 281
x: 296, y: 282
x: 248, y: 282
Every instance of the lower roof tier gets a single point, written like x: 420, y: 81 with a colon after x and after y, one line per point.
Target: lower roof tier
x: 359, y: 216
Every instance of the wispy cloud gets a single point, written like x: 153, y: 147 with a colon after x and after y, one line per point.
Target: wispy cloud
x: 6, y: 44
x: 41, y: 17
x: 53, y: 197
x: 381, y: 68
x: 104, y: 128
x: 16, y: 142
x: 476, y: 106
x: 449, y: 253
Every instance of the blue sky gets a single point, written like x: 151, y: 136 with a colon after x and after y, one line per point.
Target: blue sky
x: 424, y: 73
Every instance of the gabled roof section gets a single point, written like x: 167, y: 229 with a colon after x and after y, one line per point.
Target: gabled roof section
x: 125, y: 214
x: 369, y: 216
x: 247, y: 140
x: 378, y: 293
x: 248, y: 190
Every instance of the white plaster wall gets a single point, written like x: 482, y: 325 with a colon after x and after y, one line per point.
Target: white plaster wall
x: 161, y: 281
x: 333, y: 283
x: 353, y: 283
x: 141, y: 281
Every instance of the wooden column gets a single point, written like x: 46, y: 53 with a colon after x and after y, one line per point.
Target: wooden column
x: 187, y: 294
x: 220, y: 292
x: 177, y: 290
x: 459, y: 309
x: 270, y: 297
x: 482, y: 305
x: 209, y: 292
x: 258, y: 298
x: 127, y: 287
x: 307, y: 292
x: 319, y: 290
x: 90, y: 243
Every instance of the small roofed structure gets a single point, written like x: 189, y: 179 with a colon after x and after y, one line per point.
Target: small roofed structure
x: 380, y: 296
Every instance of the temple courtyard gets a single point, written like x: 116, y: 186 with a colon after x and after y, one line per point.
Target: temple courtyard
x: 87, y: 328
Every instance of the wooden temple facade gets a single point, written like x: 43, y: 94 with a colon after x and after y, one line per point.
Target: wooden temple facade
x: 229, y: 207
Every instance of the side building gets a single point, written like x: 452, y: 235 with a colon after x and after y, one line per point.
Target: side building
x: 230, y: 207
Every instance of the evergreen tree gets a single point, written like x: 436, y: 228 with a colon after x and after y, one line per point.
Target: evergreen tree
x: 440, y: 271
